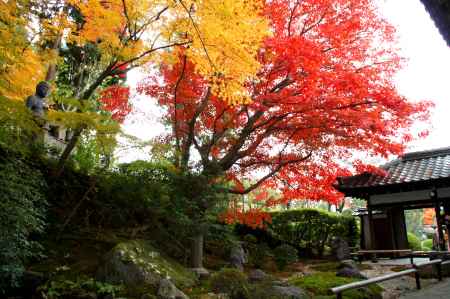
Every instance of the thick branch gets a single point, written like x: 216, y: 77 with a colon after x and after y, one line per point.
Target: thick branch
x: 269, y: 175
x: 191, y: 128
x: 175, y: 108
x: 231, y: 156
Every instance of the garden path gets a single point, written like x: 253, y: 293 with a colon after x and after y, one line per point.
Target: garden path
x: 439, y: 290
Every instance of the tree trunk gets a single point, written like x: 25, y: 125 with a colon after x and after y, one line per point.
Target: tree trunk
x: 51, y: 71
x: 65, y: 155
x: 197, y: 251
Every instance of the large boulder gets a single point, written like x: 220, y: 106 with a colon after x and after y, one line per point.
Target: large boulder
x: 137, y: 264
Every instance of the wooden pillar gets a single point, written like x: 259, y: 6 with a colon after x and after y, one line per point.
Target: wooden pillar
x: 391, y: 220
x: 362, y: 238
x: 437, y: 208
x: 447, y: 221
x: 371, y: 230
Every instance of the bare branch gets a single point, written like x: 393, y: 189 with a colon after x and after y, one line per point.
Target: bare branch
x: 191, y: 130
x: 130, y: 61
x: 291, y: 17
x: 125, y: 12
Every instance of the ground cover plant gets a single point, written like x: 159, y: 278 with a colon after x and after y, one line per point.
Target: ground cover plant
x: 320, y: 283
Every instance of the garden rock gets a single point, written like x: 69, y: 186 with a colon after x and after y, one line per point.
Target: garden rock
x: 348, y: 268
x: 348, y: 264
x: 138, y: 264
x: 167, y: 290
x: 289, y: 292
x: 238, y: 257
x: 340, y: 248
x: 257, y: 276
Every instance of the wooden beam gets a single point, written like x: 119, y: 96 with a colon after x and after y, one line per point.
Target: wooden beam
x: 437, y: 208
x: 371, y: 229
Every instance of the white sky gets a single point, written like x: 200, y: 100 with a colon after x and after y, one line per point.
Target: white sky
x: 427, y: 73
x: 425, y: 76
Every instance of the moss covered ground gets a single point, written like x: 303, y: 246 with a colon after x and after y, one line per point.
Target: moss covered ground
x: 320, y: 283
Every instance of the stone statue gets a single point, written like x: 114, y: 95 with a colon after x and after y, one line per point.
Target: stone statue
x: 36, y: 103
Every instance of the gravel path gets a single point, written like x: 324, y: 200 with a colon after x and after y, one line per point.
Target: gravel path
x: 439, y: 290
x: 395, y: 288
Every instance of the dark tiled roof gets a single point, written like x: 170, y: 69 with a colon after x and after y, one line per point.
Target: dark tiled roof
x: 439, y: 11
x: 410, y: 168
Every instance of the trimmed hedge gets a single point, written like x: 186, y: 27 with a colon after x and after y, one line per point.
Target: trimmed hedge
x: 414, y: 242
x: 310, y: 231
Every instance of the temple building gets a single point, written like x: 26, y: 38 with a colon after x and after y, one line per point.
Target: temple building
x: 414, y: 181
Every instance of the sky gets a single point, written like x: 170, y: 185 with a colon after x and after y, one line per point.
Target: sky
x: 426, y: 75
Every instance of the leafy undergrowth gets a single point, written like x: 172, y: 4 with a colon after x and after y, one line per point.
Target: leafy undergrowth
x: 320, y: 283
x: 75, y: 254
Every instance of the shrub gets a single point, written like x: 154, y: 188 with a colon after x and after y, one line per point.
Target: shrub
x: 284, y: 255
x: 79, y: 288
x: 413, y: 242
x: 22, y: 213
x: 219, y: 240
x: 230, y: 281
x: 258, y: 254
x: 311, y: 230
x: 250, y: 239
x: 427, y: 245
x: 262, y: 235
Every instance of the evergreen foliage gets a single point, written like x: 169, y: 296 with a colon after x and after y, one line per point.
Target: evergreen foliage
x: 285, y: 254
x: 232, y: 282
x: 22, y: 214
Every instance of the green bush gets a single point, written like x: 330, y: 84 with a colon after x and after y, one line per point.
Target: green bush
x: 258, y: 254
x: 413, y: 242
x: 230, y: 281
x: 285, y: 255
x: 22, y: 213
x: 219, y: 240
x: 250, y: 239
x: 427, y: 245
x: 311, y: 230
x: 79, y: 288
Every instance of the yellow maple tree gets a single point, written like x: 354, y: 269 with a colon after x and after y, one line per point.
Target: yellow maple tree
x: 20, y: 64
x: 220, y: 36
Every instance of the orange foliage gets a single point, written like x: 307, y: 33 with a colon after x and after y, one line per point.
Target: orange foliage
x: 324, y: 91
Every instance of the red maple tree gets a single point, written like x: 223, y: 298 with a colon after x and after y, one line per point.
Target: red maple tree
x: 115, y: 99
x: 324, y: 91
